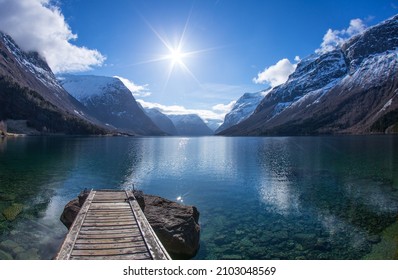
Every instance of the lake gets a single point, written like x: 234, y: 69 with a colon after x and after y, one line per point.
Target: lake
x: 258, y: 197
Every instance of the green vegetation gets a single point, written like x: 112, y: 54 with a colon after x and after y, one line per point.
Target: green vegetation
x: 3, y: 128
x: 388, y: 120
x: 387, y: 248
x: 23, y: 104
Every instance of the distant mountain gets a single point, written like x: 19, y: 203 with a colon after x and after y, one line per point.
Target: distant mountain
x: 190, y: 125
x: 213, y: 124
x: 162, y: 121
x: 110, y: 101
x: 242, y: 109
x: 350, y: 90
x: 29, y: 91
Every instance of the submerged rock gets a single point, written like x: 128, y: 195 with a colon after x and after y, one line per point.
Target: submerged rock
x: 11, y: 212
x: 176, y: 225
x: 8, y: 245
x: 5, y: 255
x: 31, y: 254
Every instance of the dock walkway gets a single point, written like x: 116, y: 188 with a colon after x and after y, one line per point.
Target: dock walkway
x: 111, y: 225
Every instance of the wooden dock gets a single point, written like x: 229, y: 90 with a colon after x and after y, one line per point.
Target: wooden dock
x: 111, y: 226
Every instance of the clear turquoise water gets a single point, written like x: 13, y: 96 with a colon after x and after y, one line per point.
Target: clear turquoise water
x: 259, y: 198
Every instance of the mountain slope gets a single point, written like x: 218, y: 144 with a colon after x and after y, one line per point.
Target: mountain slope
x: 110, y: 101
x: 242, y: 109
x: 162, y: 121
x: 190, y: 125
x: 351, y: 90
x: 29, y: 91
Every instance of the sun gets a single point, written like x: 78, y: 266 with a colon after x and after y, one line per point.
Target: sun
x: 176, y: 56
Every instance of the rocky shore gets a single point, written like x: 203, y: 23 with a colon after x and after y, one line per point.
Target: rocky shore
x: 176, y: 225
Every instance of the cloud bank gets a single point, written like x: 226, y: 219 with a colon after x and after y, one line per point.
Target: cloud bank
x: 224, y: 108
x: 276, y: 74
x: 279, y: 73
x: 39, y: 25
x: 206, y: 115
x: 335, y: 38
x: 136, y: 90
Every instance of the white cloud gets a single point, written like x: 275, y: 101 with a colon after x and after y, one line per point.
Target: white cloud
x: 356, y: 26
x: 335, y: 38
x: 136, y: 90
x: 181, y: 110
x: 276, y: 74
x: 39, y: 25
x: 224, y: 108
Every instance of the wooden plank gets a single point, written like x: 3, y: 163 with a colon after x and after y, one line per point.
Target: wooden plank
x: 106, y: 214
x: 109, y: 245
x: 97, y: 231
x: 140, y: 256
x: 110, y: 210
x: 107, y: 224
x: 109, y: 204
x: 112, y: 193
x: 132, y: 227
x: 109, y: 213
x: 109, y: 219
x: 101, y: 236
x: 110, y: 252
x: 155, y: 247
x: 109, y: 240
x: 117, y: 196
x: 109, y: 249
x: 109, y: 216
x: 110, y: 223
x: 110, y: 227
x: 70, y: 239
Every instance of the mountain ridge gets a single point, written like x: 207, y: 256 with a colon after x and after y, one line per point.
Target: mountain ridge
x: 110, y: 101
x: 349, y: 90
x: 242, y: 109
x: 30, y: 92
x: 190, y: 125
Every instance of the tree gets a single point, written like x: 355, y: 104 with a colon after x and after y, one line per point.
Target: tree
x: 3, y: 128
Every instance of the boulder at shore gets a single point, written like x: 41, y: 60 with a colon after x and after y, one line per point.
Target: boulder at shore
x: 176, y: 225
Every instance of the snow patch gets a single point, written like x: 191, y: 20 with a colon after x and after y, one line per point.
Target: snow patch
x: 83, y: 87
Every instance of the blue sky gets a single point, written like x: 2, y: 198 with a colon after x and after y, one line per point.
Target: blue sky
x: 224, y: 44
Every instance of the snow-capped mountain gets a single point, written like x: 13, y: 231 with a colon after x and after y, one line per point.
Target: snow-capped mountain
x: 110, y: 101
x: 242, y: 109
x: 162, y: 121
x: 30, y: 92
x: 190, y: 125
x: 352, y: 89
x: 213, y: 124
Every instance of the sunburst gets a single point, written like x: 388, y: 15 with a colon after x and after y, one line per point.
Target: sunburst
x: 176, y: 55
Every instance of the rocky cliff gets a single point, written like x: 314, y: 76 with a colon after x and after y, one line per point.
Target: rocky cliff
x: 350, y: 90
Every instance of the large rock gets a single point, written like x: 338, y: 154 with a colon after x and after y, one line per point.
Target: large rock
x: 176, y: 225
x: 72, y: 208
